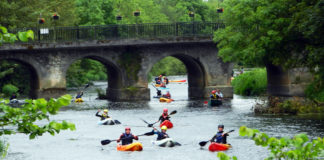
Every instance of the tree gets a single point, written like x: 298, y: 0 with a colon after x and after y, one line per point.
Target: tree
x: 23, y: 119
x: 279, y: 32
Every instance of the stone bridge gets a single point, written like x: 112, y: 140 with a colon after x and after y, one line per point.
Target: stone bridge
x: 129, y: 52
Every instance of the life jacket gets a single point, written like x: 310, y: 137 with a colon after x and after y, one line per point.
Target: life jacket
x: 214, y: 96
x: 127, y: 139
x: 220, y: 138
x: 105, y: 115
x: 164, y: 117
x: 161, y: 135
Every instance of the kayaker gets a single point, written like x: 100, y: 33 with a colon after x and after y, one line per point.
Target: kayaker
x: 163, y: 85
x: 167, y: 95
x: 104, y: 115
x: 161, y: 135
x: 158, y: 92
x: 127, y: 137
x: 219, y: 94
x: 79, y: 95
x: 158, y: 82
x: 164, y: 116
x: 13, y: 96
x: 213, y: 95
x: 220, y: 136
x: 165, y: 80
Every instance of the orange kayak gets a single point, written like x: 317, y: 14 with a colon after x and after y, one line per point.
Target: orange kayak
x: 137, y: 146
x: 218, y: 147
x: 166, y: 100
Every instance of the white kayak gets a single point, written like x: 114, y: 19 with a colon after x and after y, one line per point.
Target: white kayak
x: 167, y: 142
x: 107, y: 121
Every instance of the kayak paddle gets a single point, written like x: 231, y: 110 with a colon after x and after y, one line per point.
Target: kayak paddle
x: 151, y: 124
x: 203, y: 143
x: 107, y: 141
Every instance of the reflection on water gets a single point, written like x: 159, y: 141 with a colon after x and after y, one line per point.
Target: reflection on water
x: 194, y: 122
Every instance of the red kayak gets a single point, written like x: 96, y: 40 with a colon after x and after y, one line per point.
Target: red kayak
x: 166, y: 123
x: 218, y: 147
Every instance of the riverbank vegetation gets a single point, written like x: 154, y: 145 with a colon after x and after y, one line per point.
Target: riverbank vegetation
x: 252, y: 83
x: 168, y: 66
x: 298, y: 147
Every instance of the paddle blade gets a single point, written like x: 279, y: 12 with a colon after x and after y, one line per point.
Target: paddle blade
x: 149, y: 134
x: 105, y: 142
x: 117, y: 122
x: 173, y: 112
x: 144, y: 121
x: 231, y: 131
x: 203, y: 143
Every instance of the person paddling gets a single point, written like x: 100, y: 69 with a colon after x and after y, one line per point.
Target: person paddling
x: 79, y: 95
x: 167, y: 95
x: 213, y: 96
x: 104, y: 115
x: 164, y: 116
x: 161, y: 135
x: 219, y: 95
x: 220, y: 137
x: 127, y: 137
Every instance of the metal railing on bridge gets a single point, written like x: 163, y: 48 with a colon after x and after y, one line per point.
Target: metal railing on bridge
x: 123, y: 31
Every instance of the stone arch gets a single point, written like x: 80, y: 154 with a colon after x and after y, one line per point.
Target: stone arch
x: 195, y: 71
x: 115, y: 76
x: 35, y: 72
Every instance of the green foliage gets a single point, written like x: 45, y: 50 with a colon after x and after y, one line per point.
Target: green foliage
x: 3, y: 149
x: 22, y: 120
x: 299, y: 147
x: 223, y: 156
x: 251, y: 83
x: 24, y: 13
x: 9, y: 89
x: 6, y: 37
x: 279, y: 32
x: 17, y: 74
x: 168, y: 66
x: 84, y: 71
x: 315, y: 90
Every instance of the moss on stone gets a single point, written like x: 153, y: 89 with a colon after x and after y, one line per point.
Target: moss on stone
x: 131, y: 62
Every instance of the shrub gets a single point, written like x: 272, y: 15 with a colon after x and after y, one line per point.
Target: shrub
x: 9, y: 89
x: 251, y: 83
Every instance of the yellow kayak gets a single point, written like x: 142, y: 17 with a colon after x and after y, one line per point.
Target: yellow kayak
x: 166, y: 100
x: 137, y: 146
x: 79, y: 100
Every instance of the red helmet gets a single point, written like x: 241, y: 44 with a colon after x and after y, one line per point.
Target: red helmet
x: 165, y: 110
x: 127, y: 128
x: 214, y: 91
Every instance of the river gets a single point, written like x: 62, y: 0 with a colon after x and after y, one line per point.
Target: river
x: 194, y: 122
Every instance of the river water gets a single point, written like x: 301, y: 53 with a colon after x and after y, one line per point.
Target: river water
x: 194, y: 122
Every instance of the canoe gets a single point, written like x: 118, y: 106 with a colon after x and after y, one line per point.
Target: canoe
x: 79, y: 100
x: 166, y: 123
x: 107, y: 121
x: 214, y: 102
x: 218, y: 147
x: 166, y: 100
x: 177, y: 80
x: 167, y: 142
x: 137, y: 146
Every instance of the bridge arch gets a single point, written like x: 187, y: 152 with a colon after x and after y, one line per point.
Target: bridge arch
x: 34, y: 71
x: 114, y: 74
x: 195, y: 72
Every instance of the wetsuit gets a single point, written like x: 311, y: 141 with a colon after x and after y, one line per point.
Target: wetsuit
x: 162, y: 118
x: 161, y: 135
x: 103, y: 116
x: 79, y: 96
x: 158, y: 93
x: 127, y: 138
x: 218, y: 138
